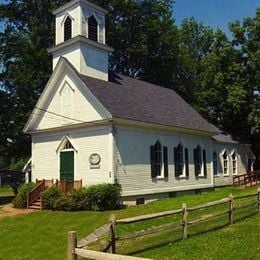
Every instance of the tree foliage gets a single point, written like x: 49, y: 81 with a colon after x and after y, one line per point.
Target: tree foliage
x: 217, y: 75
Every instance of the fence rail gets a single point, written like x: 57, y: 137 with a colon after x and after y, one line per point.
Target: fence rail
x: 250, y: 178
x: 36, y: 192
x: 110, y: 228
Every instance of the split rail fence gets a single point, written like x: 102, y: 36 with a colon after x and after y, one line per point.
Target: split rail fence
x: 76, y: 248
x: 248, y: 179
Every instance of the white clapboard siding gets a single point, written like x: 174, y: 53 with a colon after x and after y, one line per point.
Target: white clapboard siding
x: 45, y: 157
x: 133, y: 170
x: 71, y: 102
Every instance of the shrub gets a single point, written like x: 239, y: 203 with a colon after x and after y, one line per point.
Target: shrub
x: 81, y: 199
x: 104, y: 196
x: 96, y: 197
x: 65, y: 203
x: 20, y: 201
x: 50, y: 196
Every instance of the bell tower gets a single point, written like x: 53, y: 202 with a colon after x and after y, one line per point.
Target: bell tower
x: 81, y: 38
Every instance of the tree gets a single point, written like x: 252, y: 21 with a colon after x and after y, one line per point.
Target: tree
x: 26, y: 67
x: 141, y: 32
x: 144, y: 38
x: 246, y: 38
x: 195, y: 41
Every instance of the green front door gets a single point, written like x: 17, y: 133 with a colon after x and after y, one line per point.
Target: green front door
x: 67, y: 165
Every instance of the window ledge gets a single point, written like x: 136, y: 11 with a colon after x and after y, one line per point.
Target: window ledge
x: 201, y: 176
x: 216, y: 175
x: 226, y: 175
x: 182, y: 177
x: 160, y: 178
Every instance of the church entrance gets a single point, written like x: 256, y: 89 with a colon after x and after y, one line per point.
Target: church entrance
x: 67, y: 165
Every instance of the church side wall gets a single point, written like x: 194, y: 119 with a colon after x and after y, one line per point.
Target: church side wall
x: 242, y: 155
x: 132, y: 162
x: 45, y: 157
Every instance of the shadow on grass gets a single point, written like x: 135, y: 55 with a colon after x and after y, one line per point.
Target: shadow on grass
x: 132, y: 253
x: 195, y: 232
x: 6, y: 199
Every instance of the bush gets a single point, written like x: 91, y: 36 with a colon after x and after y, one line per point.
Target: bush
x: 66, y: 204
x: 104, y: 196
x: 20, y: 201
x: 96, y: 197
x: 50, y: 196
x: 81, y: 199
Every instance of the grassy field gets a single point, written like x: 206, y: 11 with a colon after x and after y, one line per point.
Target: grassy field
x: 6, y: 191
x: 43, y: 235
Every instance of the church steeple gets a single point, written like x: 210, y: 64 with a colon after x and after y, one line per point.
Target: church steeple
x: 80, y: 37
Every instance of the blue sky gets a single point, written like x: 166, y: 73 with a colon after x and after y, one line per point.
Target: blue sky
x: 215, y: 13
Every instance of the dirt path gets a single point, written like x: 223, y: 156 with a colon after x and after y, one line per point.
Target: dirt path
x: 9, y: 211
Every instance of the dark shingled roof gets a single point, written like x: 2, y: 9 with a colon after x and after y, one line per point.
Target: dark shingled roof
x: 129, y: 98
x: 225, y: 138
x: 133, y: 99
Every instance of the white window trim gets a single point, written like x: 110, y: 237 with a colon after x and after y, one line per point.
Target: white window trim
x: 202, y: 173
x: 234, y: 152
x: 98, y: 25
x: 62, y: 25
x: 223, y: 160
x: 184, y: 174
x: 161, y: 176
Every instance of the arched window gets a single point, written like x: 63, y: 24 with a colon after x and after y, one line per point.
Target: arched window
x: 159, y: 160
x: 234, y: 163
x: 215, y: 163
x: 225, y: 163
x: 67, y: 29
x: 92, y: 28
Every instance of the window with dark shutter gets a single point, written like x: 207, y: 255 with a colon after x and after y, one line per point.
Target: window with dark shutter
x: 187, y: 161
x: 215, y: 163
x: 197, y: 160
x: 178, y: 159
x: 204, y: 162
x: 92, y: 28
x: 67, y: 29
x: 152, y: 161
x: 165, y: 161
x: 156, y: 156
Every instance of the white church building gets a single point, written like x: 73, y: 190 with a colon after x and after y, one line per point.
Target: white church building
x: 101, y: 127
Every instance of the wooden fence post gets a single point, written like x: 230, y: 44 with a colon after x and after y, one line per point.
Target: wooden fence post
x: 112, y: 233
x: 72, y: 244
x: 231, y: 209
x: 258, y: 200
x: 184, y: 221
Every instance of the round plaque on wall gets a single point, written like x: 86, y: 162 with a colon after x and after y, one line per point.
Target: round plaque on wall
x: 94, y: 159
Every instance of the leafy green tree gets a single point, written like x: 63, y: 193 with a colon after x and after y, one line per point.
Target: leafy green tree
x: 246, y: 38
x: 195, y: 41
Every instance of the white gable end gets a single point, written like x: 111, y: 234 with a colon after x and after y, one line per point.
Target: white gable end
x: 65, y: 101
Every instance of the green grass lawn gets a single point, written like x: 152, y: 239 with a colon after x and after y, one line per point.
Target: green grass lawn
x: 6, y: 191
x: 43, y: 235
